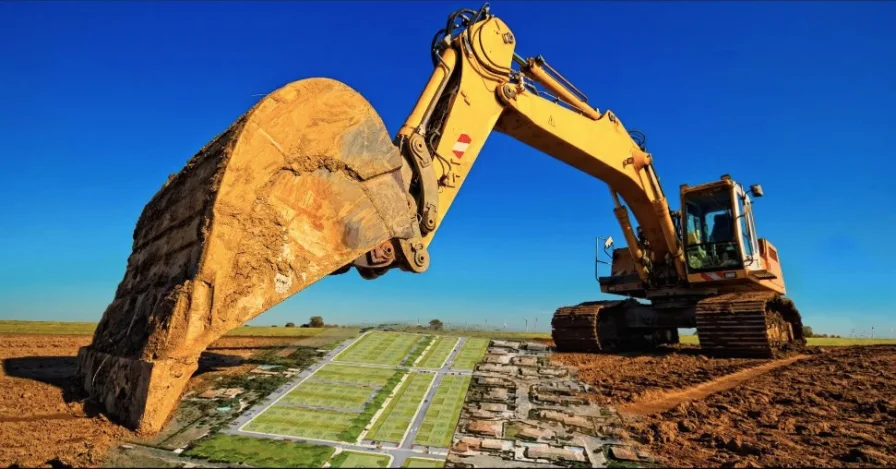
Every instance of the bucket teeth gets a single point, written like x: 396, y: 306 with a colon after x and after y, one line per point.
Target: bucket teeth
x: 297, y: 188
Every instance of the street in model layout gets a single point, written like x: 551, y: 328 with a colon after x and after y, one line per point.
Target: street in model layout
x: 376, y: 352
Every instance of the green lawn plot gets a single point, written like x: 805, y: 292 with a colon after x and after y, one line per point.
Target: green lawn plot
x: 423, y: 462
x: 351, y: 374
x: 260, y: 452
x: 392, y: 423
x: 418, y: 349
x: 470, y: 353
x: 438, y: 352
x: 330, y: 395
x: 302, y: 423
x: 383, y: 348
x: 358, y: 459
x: 438, y: 425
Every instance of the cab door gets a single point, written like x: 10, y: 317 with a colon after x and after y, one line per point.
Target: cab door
x: 746, y: 230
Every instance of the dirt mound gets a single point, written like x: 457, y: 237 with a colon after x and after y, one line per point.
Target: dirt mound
x: 624, y: 378
x: 832, y: 409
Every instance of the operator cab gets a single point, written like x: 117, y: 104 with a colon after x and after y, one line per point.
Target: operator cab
x: 719, y: 232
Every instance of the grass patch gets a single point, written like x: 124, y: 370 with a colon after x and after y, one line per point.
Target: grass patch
x: 357, y: 459
x: 423, y: 462
x: 418, y: 349
x: 382, y: 348
x: 470, y: 354
x: 283, y: 419
x: 361, y: 420
x: 438, y: 353
x: 816, y: 341
x: 349, y: 374
x: 394, y: 421
x: 260, y: 452
x: 438, y: 425
x: 460, y: 332
x: 335, y: 396
x: 302, y: 423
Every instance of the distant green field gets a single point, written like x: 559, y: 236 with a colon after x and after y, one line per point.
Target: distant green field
x: 87, y: 328
x: 357, y: 459
x: 383, y: 348
x: 260, y: 452
x: 438, y: 353
x: 500, y: 335
x: 47, y: 327
x: 423, y: 463
x: 817, y: 341
x: 438, y: 425
x: 470, y: 353
x: 393, y: 422
x: 267, y: 331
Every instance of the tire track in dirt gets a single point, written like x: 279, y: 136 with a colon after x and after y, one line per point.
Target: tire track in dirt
x: 653, y: 403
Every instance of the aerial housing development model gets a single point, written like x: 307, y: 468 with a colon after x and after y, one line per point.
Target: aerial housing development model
x: 387, y: 396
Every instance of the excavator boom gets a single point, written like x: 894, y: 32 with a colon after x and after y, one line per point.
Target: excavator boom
x: 308, y: 183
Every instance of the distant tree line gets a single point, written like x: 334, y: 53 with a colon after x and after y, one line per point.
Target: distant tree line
x: 315, y: 321
x: 807, y: 332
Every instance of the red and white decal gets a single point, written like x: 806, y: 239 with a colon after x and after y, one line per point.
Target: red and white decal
x: 463, y: 141
x: 711, y: 276
x: 722, y: 276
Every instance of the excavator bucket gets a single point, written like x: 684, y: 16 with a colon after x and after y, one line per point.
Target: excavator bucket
x: 298, y: 187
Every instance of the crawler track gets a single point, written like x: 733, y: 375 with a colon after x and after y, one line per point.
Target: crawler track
x: 605, y: 326
x: 748, y: 324
x: 575, y: 328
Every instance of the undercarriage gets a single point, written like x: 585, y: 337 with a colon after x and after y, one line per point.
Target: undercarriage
x: 749, y: 324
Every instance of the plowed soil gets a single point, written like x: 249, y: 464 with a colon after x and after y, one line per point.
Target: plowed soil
x: 43, y: 418
x: 625, y: 378
x: 833, y: 408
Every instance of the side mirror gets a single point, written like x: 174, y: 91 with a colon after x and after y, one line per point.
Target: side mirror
x: 608, y: 243
x: 756, y: 190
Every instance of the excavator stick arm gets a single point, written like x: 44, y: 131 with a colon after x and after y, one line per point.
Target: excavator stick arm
x: 474, y: 90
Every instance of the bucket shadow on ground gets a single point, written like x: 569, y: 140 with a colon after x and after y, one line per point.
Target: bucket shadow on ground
x: 53, y: 370
x: 61, y: 372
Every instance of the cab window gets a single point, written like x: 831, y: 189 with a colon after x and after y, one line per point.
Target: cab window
x: 710, y: 242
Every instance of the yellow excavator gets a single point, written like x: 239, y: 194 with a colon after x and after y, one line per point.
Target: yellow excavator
x: 308, y: 183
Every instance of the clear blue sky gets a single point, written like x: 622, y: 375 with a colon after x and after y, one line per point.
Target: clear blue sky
x: 101, y: 101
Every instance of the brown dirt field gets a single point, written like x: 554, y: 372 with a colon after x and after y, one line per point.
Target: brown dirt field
x: 832, y: 409
x: 624, y: 378
x: 43, y: 420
